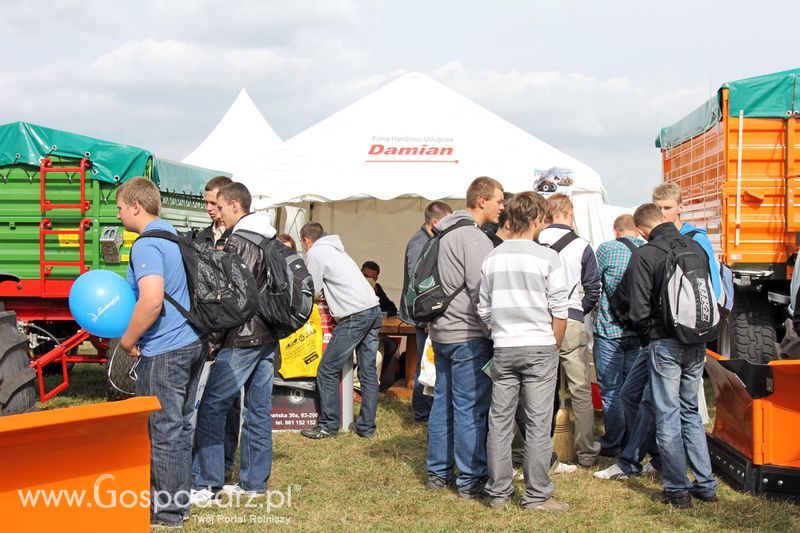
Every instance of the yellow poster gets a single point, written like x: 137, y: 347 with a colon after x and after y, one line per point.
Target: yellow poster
x: 302, y: 350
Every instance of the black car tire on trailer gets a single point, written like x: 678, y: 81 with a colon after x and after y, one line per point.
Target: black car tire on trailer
x: 17, y: 378
x: 119, y: 366
x: 749, y: 331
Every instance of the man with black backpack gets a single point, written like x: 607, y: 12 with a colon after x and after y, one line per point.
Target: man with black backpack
x: 169, y: 351
x: 458, y: 421
x: 354, y: 305
x: 246, y: 360
x: 583, y: 280
x: 615, y: 347
x: 673, y: 311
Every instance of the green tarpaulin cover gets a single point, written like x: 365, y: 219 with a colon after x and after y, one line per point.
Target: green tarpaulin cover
x: 769, y: 96
x: 22, y: 143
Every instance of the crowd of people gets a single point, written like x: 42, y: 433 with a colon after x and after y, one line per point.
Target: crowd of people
x: 531, y: 304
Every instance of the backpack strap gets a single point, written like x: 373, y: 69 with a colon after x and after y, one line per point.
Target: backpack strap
x: 440, y: 235
x: 632, y: 247
x: 692, y: 233
x: 168, y: 236
x: 561, y: 243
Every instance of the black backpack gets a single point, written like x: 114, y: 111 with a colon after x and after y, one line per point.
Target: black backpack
x: 222, y: 290
x: 688, y: 304
x: 425, y: 299
x: 286, y: 297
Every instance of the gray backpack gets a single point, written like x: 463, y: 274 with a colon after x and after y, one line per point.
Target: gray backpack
x: 688, y: 304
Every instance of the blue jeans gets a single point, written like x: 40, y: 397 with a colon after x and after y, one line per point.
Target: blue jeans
x: 676, y: 370
x: 420, y: 403
x: 359, y: 332
x: 172, y: 378
x: 640, y: 424
x: 613, y: 359
x: 458, y: 423
x: 234, y: 368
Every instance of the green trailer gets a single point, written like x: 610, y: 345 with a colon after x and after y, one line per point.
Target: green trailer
x: 58, y: 219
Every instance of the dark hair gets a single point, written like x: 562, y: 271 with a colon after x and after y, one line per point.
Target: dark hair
x: 437, y: 209
x: 372, y: 265
x: 312, y: 231
x: 482, y: 187
x: 501, y: 220
x: 287, y: 239
x: 648, y: 216
x: 236, y: 192
x: 218, y: 182
x: 523, y: 209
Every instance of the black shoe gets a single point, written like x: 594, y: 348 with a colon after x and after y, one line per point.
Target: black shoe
x: 703, y: 496
x: 360, y: 433
x: 475, y: 492
x: 228, y: 475
x: 317, y: 432
x: 680, y: 500
x: 437, y: 483
x: 610, y: 452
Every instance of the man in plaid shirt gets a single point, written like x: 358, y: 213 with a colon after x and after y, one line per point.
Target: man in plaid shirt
x: 615, y: 348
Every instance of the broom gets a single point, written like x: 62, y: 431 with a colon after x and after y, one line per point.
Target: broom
x: 564, y: 434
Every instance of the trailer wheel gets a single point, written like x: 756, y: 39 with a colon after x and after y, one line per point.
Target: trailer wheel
x: 119, y: 366
x: 749, y: 331
x: 17, y: 378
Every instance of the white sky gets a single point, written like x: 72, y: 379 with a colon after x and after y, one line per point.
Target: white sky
x: 595, y: 79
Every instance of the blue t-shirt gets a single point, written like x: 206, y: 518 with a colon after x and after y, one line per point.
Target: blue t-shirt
x: 701, y: 238
x: 159, y: 257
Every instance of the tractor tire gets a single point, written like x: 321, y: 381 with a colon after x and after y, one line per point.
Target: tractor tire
x: 749, y: 331
x: 17, y: 378
x: 119, y: 366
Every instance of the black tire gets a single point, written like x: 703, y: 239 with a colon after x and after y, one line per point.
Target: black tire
x: 17, y: 378
x: 749, y: 331
x: 119, y: 366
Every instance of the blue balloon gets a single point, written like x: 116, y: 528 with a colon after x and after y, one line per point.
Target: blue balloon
x: 102, y: 303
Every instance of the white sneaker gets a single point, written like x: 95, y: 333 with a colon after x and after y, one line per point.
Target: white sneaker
x: 649, y: 470
x: 202, y: 497
x: 236, y: 490
x: 519, y: 475
x: 612, y: 472
x: 562, y: 468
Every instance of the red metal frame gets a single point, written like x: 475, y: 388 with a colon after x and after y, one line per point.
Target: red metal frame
x: 46, y: 167
x: 58, y: 353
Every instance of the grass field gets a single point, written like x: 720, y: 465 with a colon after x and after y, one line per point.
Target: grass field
x: 351, y: 483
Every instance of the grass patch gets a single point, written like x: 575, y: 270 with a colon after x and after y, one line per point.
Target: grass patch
x: 349, y: 483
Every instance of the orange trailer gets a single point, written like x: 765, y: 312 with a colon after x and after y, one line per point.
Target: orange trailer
x: 736, y: 159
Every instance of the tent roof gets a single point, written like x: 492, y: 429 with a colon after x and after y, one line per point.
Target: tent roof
x: 412, y: 137
x: 241, y: 134
x: 769, y: 96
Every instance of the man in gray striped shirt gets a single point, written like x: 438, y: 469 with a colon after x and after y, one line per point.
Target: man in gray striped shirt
x: 523, y: 300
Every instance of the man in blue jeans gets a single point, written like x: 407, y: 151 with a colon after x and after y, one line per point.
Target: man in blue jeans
x: 434, y: 212
x: 676, y: 369
x: 615, y: 347
x: 458, y: 422
x: 354, y: 305
x: 170, y: 354
x: 245, y: 360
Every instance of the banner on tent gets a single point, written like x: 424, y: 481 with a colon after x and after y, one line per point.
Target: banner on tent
x: 553, y: 180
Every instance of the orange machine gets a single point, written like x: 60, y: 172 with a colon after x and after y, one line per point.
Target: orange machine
x: 736, y: 159
x: 77, y: 469
x: 753, y: 444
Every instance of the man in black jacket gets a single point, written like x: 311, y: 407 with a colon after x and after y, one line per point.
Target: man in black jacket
x: 245, y: 360
x: 675, y: 368
x: 215, y: 236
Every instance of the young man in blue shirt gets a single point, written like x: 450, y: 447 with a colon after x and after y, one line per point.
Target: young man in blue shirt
x: 170, y: 354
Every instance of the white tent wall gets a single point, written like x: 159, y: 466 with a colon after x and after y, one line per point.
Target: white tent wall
x: 376, y: 230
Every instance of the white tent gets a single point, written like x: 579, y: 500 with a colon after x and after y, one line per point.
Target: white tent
x: 368, y: 171
x: 242, y: 134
